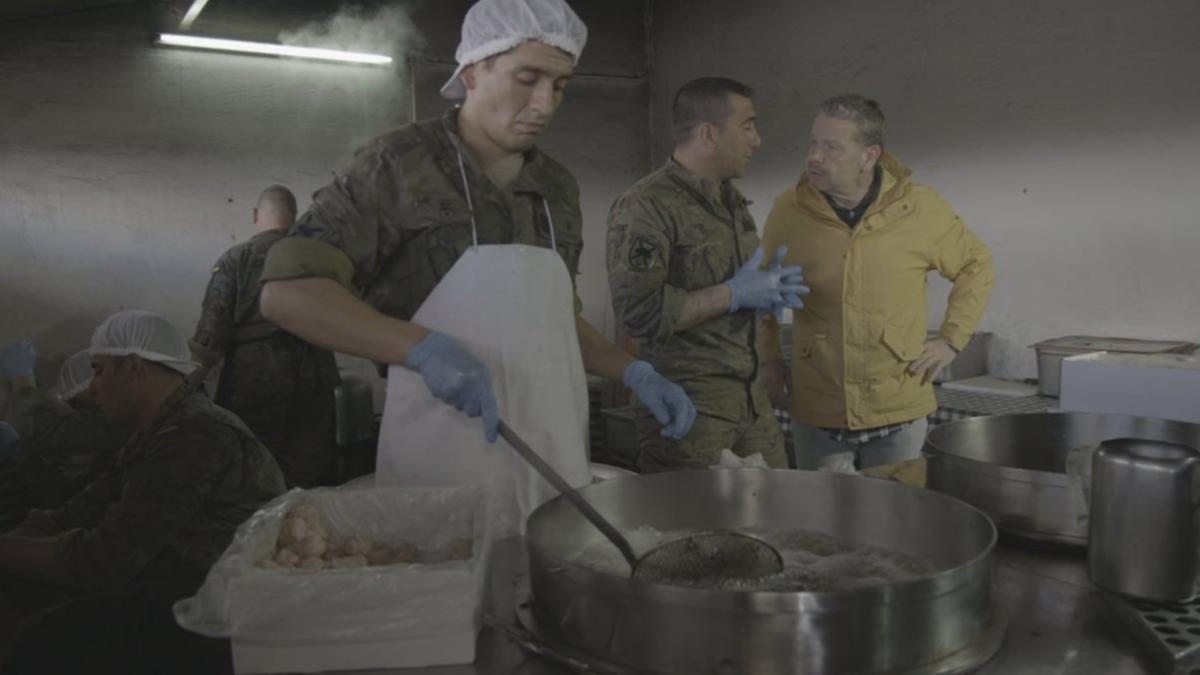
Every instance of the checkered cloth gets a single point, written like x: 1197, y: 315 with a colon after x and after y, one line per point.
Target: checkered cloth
x: 847, y: 436
x: 864, y: 436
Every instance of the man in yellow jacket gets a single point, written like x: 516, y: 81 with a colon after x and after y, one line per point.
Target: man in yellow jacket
x: 867, y: 236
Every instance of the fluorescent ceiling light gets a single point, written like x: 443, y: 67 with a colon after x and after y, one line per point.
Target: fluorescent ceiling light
x: 192, y: 14
x: 220, y: 44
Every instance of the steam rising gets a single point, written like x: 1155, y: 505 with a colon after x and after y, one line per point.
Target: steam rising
x: 383, y: 30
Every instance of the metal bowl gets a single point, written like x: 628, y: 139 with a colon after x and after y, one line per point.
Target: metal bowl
x: 1013, y: 467
x: 909, y: 626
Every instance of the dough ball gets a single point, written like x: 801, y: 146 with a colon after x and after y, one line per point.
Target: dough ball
x: 314, y: 563
x: 312, y: 546
x: 307, y: 511
x: 287, y: 558
x: 350, y: 561
x: 317, y: 528
x: 461, y: 548
x: 292, y: 531
x: 380, y: 555
x: 406, y: 553
x: 269, y: 564
x: 356, y: 546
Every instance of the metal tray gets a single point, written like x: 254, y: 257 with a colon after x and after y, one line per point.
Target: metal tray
x: 1169, y: 633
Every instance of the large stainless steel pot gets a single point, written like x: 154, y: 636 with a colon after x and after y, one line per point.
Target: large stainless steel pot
x: 903, y: 627
x: 1013, y: 467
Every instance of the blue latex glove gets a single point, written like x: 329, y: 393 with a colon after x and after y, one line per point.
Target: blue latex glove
x: 16, y: 360
x: 668, y: 402
x: 792, y: 301
x: 458, y: 378
x: 10, y: 442
x: 769, y: 289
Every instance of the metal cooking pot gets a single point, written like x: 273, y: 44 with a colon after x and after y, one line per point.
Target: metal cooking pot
x: 1013, y: 467
x: 1142, y: 530
x: 921, y: 625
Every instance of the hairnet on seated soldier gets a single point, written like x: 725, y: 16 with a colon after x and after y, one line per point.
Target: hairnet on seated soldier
x: 495, y: 26
x: 145, y: 334
x: 75, y: 375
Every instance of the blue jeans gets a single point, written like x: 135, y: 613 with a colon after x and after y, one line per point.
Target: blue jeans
x: 816, y: 450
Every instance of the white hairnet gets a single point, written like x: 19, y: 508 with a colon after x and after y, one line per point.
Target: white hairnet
x: 146, y: 334
x: 75, y: 375
x: 496, y: 26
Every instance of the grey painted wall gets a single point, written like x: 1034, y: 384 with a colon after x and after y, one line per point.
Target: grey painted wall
x: 126, y: 169
x: 1065, y: 133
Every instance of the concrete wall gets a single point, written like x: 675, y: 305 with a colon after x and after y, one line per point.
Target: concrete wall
x: 125, y: 169
x: 1065, y: 133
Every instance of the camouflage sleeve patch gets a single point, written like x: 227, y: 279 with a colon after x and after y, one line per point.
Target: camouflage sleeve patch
x: 639, y: 259
x: 644, y: 254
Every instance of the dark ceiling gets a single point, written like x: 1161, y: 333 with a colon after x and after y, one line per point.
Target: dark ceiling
x: 15, y: 10
x: 618, y: 21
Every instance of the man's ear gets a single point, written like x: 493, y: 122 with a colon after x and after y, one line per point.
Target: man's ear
x: 707, y: 133
x: 874, y: 154
x: 468, y: 76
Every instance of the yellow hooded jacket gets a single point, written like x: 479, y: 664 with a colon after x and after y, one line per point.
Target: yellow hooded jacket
x: 866, y: 318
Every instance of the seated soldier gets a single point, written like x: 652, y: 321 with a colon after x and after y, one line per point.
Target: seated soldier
x: 145, y: 533
x: 65, y: 439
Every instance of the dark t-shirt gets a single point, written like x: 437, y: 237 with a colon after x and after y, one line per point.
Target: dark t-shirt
x: 851, y: 216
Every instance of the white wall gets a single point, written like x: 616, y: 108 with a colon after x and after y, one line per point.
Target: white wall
x: 126, y: 169
x: 1065, y: 133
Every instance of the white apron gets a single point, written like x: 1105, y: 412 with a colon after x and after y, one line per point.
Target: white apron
x: 512, y: 307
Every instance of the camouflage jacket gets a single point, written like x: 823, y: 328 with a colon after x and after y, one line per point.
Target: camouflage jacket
x: 262, y: 361
x: 669, y: 235
x: 230, y: 312
x: 170, y: 506
x: 55, y: 432
x: 395, y: 221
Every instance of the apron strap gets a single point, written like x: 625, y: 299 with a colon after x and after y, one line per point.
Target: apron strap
x: 462, y: 170
x: 550, y: 224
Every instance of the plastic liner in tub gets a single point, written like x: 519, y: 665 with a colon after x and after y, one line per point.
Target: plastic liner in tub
x: 388, y: 615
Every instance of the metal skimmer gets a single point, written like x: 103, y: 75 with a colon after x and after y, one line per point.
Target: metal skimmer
x: 708, y: 556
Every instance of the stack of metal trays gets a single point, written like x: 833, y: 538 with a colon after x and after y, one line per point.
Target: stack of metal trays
x: 1169, y: 633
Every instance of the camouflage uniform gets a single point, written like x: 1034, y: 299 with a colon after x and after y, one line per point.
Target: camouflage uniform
x: 669, y: 235
x: 281, y: 386
x: 169, y: 506
x: 64, y: 448
x: 143, y: 536
x: 394, y: 222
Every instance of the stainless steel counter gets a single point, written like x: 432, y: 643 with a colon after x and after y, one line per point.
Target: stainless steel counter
x: 1058, y: 622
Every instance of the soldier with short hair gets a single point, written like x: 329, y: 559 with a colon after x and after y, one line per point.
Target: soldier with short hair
x: 378, y: 240
x: 687, y: 284
x: 281, y: 386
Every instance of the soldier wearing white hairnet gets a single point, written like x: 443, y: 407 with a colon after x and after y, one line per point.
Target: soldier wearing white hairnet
x: 143, y: 534
x: 65, y: 440
x: 379, y: 238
